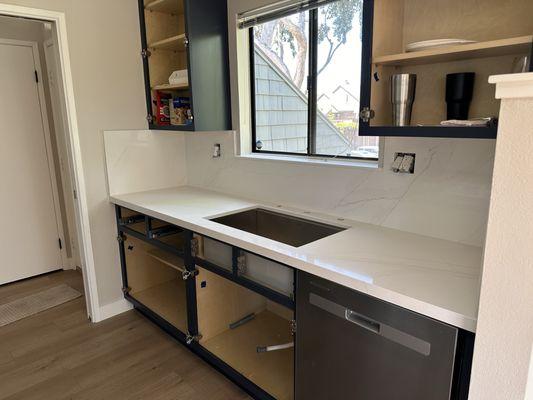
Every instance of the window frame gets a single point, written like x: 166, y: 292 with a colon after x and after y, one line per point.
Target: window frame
x: 312, y: 105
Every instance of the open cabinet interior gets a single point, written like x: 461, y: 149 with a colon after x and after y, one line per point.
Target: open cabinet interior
x: 166, y: 44
x: 500, y: 30
x: 155, y: 279
x: 237, y: 325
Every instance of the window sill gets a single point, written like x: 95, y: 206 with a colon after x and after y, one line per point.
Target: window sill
x: 314, y: 161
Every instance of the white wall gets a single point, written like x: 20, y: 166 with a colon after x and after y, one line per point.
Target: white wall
x: 104, y: 45
x: 447, y: 197
x: 505, y: 324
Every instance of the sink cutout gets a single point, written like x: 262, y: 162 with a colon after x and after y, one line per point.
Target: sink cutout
x: 294, y: 231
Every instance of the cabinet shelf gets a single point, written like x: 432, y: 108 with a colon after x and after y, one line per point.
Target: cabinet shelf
x: 176, y: 43
x: 492, y: 48
x: 168, y: 86
x: 169, y: 259
x: 165, y: 6
x: 168, y: 300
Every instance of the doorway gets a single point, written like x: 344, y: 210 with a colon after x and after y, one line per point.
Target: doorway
x: 29, y: 202
x: 43, y: 197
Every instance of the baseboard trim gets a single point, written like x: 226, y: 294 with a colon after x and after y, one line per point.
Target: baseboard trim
x: 112, y: 309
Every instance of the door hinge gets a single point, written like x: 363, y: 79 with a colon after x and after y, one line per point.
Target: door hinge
x: 194, y: 247
x: 293, y: 326
x: 367, y: 114
x: 192, y: 338
x: 186, y: 41
x: 60, y: 244
x: 36, y: 77
x: 145, y: 53
x: 150, y: 119
x: 186, y: 274
x: 75, y: 193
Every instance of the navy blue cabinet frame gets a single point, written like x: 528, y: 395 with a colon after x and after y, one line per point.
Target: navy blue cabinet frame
x: 190, y: 261
x: 465, y: 344
x: 367, y: 129
x: 207, y: 61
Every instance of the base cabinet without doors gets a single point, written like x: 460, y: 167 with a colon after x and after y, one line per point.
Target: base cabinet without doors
x: 256, y: 321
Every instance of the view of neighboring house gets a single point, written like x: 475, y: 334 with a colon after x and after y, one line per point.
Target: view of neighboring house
x: 281, y: 115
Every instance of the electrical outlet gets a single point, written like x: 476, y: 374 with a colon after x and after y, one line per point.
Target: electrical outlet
x: 404, y: 163
x: 217, y: 153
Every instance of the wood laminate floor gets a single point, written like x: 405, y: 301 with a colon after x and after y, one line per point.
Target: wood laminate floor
x: 58, y: 355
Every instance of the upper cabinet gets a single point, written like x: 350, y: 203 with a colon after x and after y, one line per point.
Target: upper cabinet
x: 428, y: 61
x: 185, y: 57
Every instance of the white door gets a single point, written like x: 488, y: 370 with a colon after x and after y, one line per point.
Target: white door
x: 29, y: 234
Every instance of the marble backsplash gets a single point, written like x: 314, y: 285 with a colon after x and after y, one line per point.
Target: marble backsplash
x: 447, y: 197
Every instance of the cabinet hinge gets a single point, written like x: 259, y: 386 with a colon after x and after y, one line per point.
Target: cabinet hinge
x: 145, y: 53
x: 60, y: 244
x: 36, y: 77
x: 192, y: 338
x: 241, y: 264
x: 367, y: 114
x: 186, y: 274
x: 150, y: 119
x: 121, y: 238
x: 75, y: 193
x: 293, y: 326
x: 186, y: 41
x: 194, y: 247
x: 126, y: 289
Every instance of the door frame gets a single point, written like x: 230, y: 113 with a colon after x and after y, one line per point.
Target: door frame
x: 63, y: 156
x: 47, y: 140
x: 58, y: 20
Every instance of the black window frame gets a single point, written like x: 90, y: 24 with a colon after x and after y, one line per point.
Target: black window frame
x: 312, y: 88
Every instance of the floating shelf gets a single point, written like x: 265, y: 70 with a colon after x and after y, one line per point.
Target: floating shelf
x: 166, y: 258
x: 168, y: 86
x: 165, y: 6
x: 493, y: 48
x: 176, y: 43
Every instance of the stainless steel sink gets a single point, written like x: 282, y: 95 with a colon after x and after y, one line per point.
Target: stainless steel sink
x: 283, y: 228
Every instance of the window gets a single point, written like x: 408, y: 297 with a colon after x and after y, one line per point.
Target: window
x: 306, y: 78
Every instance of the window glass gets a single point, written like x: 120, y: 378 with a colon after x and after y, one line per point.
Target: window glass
x: 281, y: 66
x: 289, y: 87
x: 339, y: 82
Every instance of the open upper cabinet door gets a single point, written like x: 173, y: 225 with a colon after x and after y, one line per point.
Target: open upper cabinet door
x: 487, y: 38
x: 185, y: 57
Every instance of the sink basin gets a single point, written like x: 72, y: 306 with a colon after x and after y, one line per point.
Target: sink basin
x: 280, y: 227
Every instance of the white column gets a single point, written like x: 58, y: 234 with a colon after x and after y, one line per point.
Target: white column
x: 504, y: 337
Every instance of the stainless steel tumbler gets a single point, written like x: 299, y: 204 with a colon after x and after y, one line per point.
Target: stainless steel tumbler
x: 403, y: 88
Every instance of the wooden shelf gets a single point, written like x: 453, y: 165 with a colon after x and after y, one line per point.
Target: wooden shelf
x: 165, y: 6
x: 168, y: 86
x: 272, y: 371
x: 166, y: 258
x: 493, y: 48
x: 167, y: 300
x: 176, y: 43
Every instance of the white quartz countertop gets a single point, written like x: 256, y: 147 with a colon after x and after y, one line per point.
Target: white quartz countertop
x: 433, y: 277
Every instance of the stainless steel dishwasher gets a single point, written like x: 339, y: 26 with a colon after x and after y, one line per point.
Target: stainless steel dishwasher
x: 352, y: 346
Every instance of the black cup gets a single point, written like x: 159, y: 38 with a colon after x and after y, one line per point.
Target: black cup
x: 459, y: 90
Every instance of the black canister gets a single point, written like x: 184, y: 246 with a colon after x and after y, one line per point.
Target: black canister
x: 459, y: 90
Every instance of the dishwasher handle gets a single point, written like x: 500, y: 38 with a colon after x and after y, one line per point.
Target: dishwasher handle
x: 385, y: 331
x: 362, y: 321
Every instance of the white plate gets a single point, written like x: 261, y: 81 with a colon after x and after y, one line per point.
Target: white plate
x: 432, y: 44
